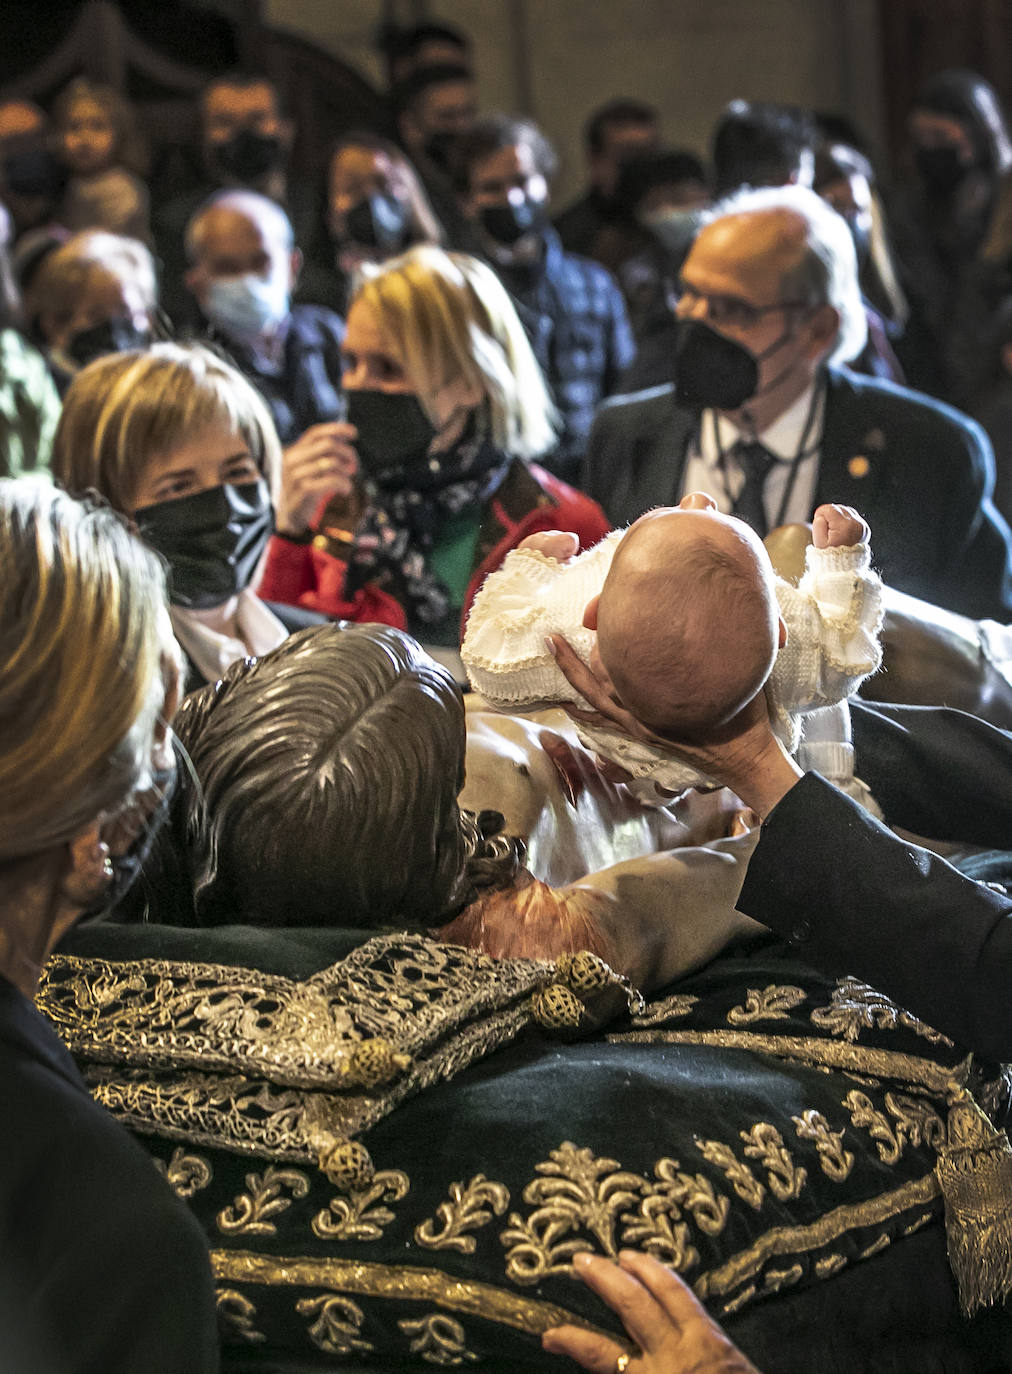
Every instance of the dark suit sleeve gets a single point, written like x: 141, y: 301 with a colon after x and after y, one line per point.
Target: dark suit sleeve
x: 976, y: 575
x: 859, y: 900
x: 941, y: 773
x: 605, y: 455
x: 621, y: 347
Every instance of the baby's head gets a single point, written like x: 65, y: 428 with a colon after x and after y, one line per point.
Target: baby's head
x: 688, y: 625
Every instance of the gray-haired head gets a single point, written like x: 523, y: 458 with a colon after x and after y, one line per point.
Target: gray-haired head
x: 826, y: 273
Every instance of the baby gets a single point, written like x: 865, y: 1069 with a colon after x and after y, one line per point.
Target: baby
x: 685, y: 616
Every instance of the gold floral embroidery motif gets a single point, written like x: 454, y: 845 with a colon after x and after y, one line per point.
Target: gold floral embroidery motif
x: 855, y: 1007
x: 773, y: 1003
x: 739, y: 1175
x: 784, y: 1178
x: 468, y: 1209
x: 667, y: 1009
x: 578, y: 1192
x: 776, y: 1279
x: 439, y: 1339
x: 916, y: 1122
x: 186, y: 1174
x: 658, y: 1229
x: 829, y: 1265
x: 250, y: 1213
x: 236, y: 1315
x: 337, y: 1326
x: 696, y: 1194
x: 836, y: 1161
x: 356, y: 1216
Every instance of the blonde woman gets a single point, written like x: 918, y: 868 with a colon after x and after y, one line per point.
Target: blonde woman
x: 447, y: 408
x: 102, y: 1267
x: 95, y: 294
x: 177, y: 438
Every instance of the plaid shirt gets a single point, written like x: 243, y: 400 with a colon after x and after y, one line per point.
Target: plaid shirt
x: 576, y: 319
x: 29, y: 407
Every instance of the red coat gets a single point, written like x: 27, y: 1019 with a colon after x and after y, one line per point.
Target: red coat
x: 529, y: 501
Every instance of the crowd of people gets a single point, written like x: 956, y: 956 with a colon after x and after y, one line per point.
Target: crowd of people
x: 238, y: 413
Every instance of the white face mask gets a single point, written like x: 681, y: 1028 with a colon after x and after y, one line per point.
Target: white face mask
x: 246, y: 307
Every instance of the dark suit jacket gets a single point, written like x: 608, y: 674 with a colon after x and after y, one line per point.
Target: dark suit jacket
x: 859, y: 900
x: 101, y: 1268
x: 924, y: 484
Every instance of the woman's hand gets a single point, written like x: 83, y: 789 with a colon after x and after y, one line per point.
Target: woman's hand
x: 671, y: 1330
x: 744, y: 754
x: 321, y: 463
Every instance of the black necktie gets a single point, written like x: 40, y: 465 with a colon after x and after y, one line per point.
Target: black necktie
x: 756, y: 462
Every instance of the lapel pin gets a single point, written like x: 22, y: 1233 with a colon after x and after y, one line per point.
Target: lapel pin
x: 859, y: 466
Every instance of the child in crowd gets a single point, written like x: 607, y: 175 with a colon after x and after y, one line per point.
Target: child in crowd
x: 685, y: 617
x: 98, y: 143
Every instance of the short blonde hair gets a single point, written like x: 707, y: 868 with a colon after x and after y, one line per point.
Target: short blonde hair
x: 83, y: 637
x: 450, y: 319
x: 126, y: 409
x: 88, y: 258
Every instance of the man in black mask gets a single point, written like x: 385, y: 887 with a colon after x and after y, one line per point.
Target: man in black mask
x: 246, y: 142
x: 571, y: 307
x: 435, y: 107
x: 761, y: 416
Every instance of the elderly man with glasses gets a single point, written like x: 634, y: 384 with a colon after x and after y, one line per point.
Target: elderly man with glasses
x: 763, y: 415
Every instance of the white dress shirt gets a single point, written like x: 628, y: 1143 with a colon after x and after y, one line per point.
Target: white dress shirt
x: 214, y: 639
x: 796, y: 434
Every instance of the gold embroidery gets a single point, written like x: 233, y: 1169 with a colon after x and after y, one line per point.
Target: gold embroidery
x: 916, y: 1122
x: 789, y: 1241
x: 337, y: 1326
x: 775, y: 1279
x: 355, y: 1215
x: 916, y: 1225
x: 577, y: 1192
x: 875, y: 1248
x: 467, y: 1210
x: 784, y: 1178
x: 236, y: 1315
x: 250, y: 1213
x: 836, y: 1161
x: 438, y: 1339
x: 678, y: 1004
x: 658, y: 1229
x: 862, y: 1060
x: 737, y: 1303
x: 829, y: 1265
x: 739, y: 1175
x: 773, y: 1003
x: 696, y: 1194
x: 186, y: 1174
x: 409, y: 1283
x: 856, y: 1006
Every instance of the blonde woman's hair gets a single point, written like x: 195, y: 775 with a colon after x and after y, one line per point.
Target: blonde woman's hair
x: 84, y: 636
x: 450, y: 319
x: 127, y: 409
x: 91, y: 257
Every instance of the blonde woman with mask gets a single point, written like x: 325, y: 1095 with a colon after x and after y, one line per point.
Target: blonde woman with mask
x: 102, y: 1268
x: 176, y: 438
x: 447, y: 409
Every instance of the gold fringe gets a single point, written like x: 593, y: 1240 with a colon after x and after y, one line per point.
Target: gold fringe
x: 974, y: 1170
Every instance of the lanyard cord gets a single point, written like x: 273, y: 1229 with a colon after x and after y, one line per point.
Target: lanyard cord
x: 799, y: 456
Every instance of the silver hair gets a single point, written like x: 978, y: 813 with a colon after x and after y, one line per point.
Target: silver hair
x: 827, y: 273
x: 255, y: 207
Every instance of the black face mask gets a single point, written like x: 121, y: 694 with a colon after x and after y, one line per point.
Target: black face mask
x: 248, y: 155
x: 941, y: 168
x: 393, y: 429
x: 33, y: 172
x: 380, y: 222
x: 511, y: 222
x: 439, y: 148
x: 111, y: 336
x: 714, y: 372
x: 212, y: 541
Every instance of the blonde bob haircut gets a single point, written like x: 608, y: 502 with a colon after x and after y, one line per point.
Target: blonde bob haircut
x: 449, y: 320
x: 125, y: 410
x: 85, y: 644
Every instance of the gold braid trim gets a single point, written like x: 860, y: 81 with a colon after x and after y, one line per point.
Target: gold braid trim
x: 794, y: 1240
x: 826, y: 1054
x: 398, y: 1281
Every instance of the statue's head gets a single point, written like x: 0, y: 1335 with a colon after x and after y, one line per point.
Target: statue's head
x: 328, y: 777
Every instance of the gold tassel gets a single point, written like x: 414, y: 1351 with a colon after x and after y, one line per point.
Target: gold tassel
x: 974, y: 1171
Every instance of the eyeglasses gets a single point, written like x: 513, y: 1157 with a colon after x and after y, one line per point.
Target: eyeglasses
x: 731, y: 311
